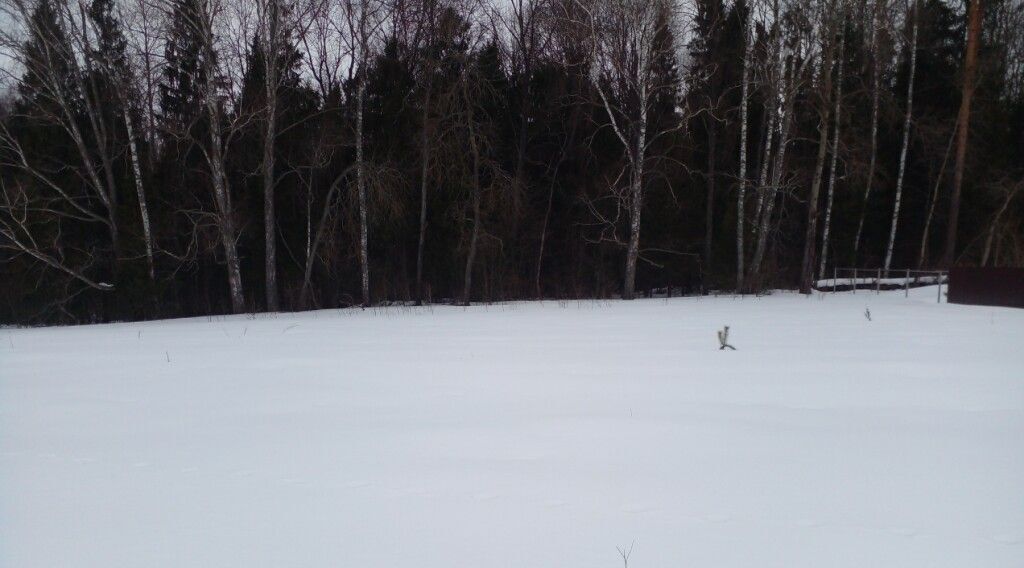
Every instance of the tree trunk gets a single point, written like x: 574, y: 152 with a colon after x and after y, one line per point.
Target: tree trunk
x: 963, y: 126
x: 636, y: 202
x: 633, y: 248
x: 269, y: 218
x: 875, y: 90
x: 226, y: 222
x: 424, y: 172
x: 766, y: 165
x: 906, y: 143
x: 835, y: 150
x: 567, y: 144
x: 785, y: 122
x: 709, y: 206
x: 318, y: 238
x: 218, y: 176
x: 222, y: 199
x: 544, y: 233
x: 741, y: 193
x: 474, y: 236
x: 106, y: 194
x: 523, y: 136
x: 774, y: 122
x: 811, y: 234
x: 931, y: 204
x: 225, y: 214
x: 140, y: 190
x: 91, y: 102
x: 995, y: 222
x: 364, y: 260
x: 269, y: 139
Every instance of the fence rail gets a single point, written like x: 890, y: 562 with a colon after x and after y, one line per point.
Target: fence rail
x: 879, y: 279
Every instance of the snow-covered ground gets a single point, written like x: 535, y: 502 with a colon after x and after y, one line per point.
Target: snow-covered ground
x: 522, y: 435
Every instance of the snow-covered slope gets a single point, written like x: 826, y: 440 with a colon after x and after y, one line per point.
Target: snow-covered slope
x: 532, y: 434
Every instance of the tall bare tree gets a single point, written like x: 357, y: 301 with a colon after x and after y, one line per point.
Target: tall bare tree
x: 202, y: 17
x: 785, y: 81
x: 837, y: 116
x: 624, y: 39
x: 741, y: 195
x: 58, y: 88
x: 963, y: 121
x: 273, y: 34
x: 876, y: 89
x: 112, y: 57
x: 430, y: 34
x: 825, y: 93
x: 908, y: 114
x: 363, y: 21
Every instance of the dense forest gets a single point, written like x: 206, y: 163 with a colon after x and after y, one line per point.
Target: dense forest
x: 188, y: 157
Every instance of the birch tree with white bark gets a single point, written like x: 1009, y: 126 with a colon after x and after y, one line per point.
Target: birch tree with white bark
x: 624, y: 41
x: 793, y: 53
x: 908, y: 114
x: 361, y: 26
x: 741, y: 194
x: 215, y: 33
x: 837, y: 116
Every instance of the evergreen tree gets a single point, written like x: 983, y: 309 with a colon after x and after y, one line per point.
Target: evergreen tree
x: 185, y: 73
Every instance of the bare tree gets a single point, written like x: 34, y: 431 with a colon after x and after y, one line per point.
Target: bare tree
x: 876, y: 78
x: 204, y: 22
x: 17, y: 229
x: 273, y: 34
x: 475, y: 143
x: 923, y: 251
x: 906, y: 138
x: 121, y: 75
x: 565, y: 51
x: 624, y: 39
x: 363, y: 20
x: 519, y: 22
x: 748, y: 54
x: 52, y: 53
x: 318, y: 236
x: 835, y: 146
x: 785, y: 79
x: 430, y: 35
x: 324, y: 44
x: 277, y: 22
x: 827, y: 56
x: 963, y: 127
x: 1010, y: 190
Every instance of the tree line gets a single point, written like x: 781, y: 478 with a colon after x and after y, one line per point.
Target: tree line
x: 183, y: 157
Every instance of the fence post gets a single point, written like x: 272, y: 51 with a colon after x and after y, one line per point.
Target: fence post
x: 878, y: 282
x: 938, y: 298
x: 906, y: 285
x: 835, y: 276
x: 854, y: 287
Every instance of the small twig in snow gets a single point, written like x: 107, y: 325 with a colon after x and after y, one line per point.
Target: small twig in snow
x: 723, y: 338
x: 625, y: 554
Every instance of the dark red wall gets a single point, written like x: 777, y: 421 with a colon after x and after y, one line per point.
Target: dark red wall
x: 987, y: 286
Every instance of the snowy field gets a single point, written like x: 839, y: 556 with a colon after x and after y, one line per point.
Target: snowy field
x: 522, y: 435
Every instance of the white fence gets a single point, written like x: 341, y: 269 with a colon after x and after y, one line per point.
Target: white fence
x: 878, y: 279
